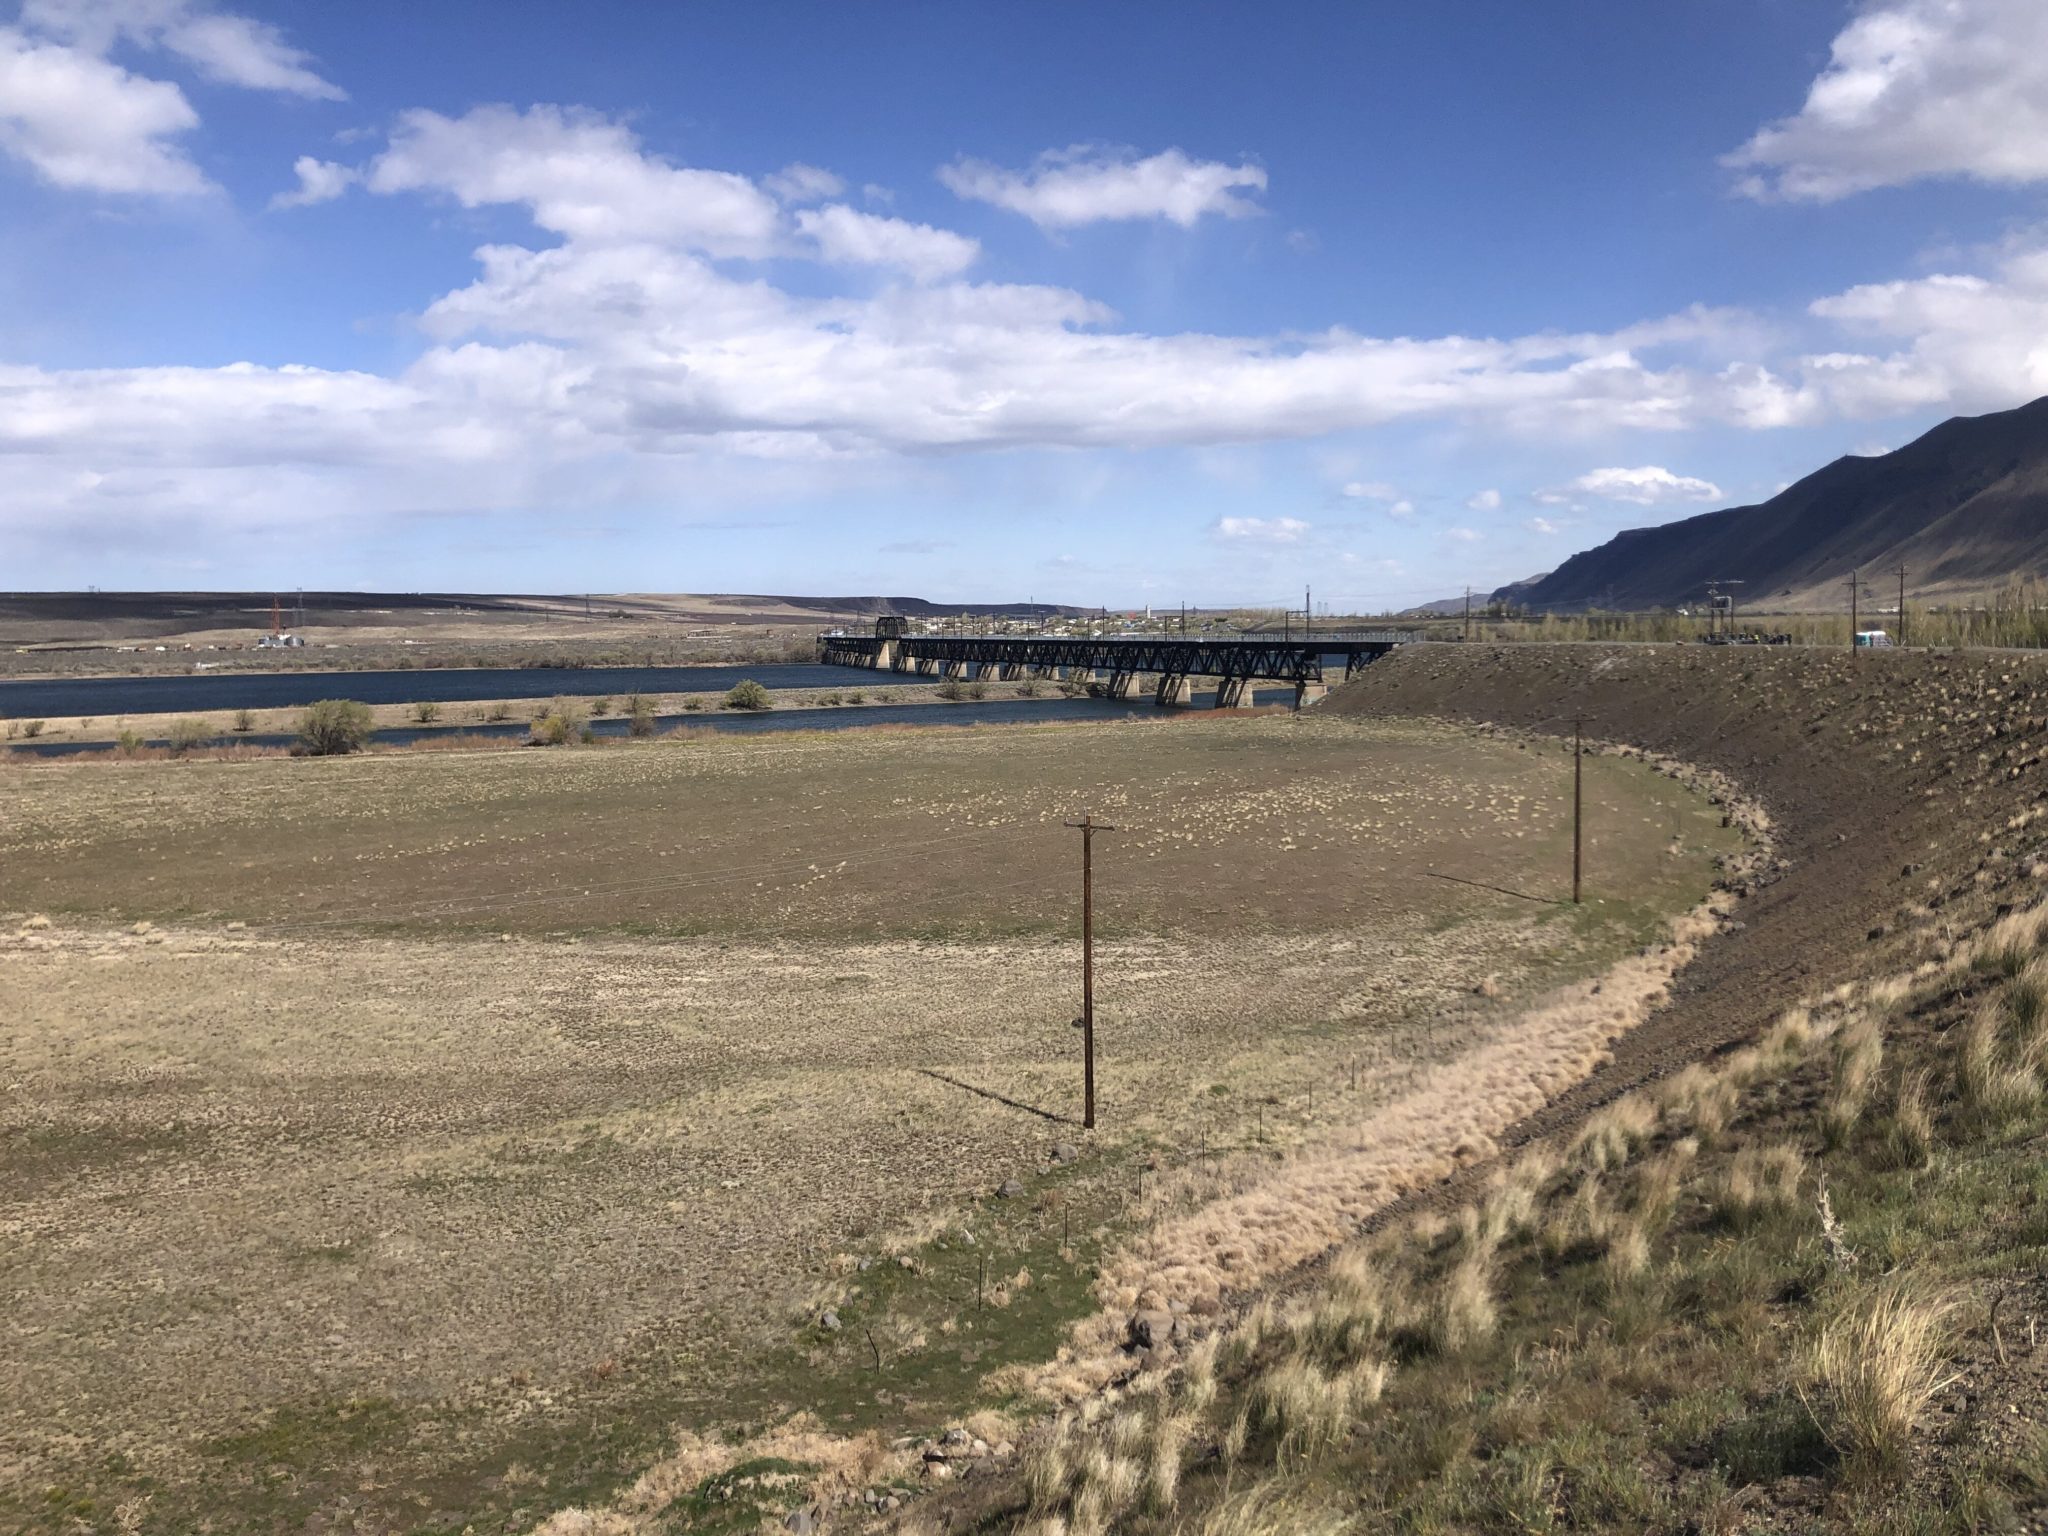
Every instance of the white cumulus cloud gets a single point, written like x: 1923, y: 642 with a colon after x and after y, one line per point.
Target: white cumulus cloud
x: 1485, y: 501
x: 80, y: 121
x: 320, y: 181
x: 848, y: 236
x: 1913, y: 89
x: 800, y: 183
x: 1262, y: 530
x: 580, y: 175
x: 232, y: 49
x: 1650, y: 485
x: 1082, y: 185
x: 621, y: 354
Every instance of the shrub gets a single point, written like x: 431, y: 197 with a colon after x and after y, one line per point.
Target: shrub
x: 1876, y: 1366
x: 498, y: 711
x: 333, y: 727
x: 600, y: 707
x: 693, y: 705
x: 977, y: 689
x: 561, y: 723
x: 31, y: 727
x: 188, y: 735
x: 856, y: 697
x: 748, y: 694
x: 426, y: 711
x: 128, y: 743
x: 1028, y: 689
x: 950, y: 690
x: 640, y: 715
x: 245, y: 719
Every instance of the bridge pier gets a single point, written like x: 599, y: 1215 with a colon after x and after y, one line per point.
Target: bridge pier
x: 1123, y: 685
x: 1234, y: 693
x: 885, y: 656
x: 1309, y: 693
x: 1173, y: 689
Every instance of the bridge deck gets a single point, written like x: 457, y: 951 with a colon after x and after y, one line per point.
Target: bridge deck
x: 1257, y: 658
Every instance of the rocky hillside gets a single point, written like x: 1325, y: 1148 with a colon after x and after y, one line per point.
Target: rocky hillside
x: 1964, y: 509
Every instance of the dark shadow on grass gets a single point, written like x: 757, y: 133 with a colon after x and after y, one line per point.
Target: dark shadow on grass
x: 988, y: 1093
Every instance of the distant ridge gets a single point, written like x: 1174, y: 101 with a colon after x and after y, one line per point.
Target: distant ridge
x: 1964, y: 508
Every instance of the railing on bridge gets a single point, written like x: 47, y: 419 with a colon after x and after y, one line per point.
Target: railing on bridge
x: 1234, y: 662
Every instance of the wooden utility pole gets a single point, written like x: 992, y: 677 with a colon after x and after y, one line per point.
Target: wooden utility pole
x: 1088, y: 826
x: 1901, y: 574
x: 1578, y: 801
x: 1855, y: 584
x: 1468, y: 613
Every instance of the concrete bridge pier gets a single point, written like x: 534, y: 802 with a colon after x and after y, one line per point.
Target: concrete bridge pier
x: 1309, y: 693
x: 1234, y: 693
x: 1123, y: 685
x: 927, y: 666
x: 1173, y: 689
x: 885, y: 657
x: 956, y: 669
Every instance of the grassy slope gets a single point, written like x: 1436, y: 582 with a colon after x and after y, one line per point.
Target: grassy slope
x: 1767, y: 1295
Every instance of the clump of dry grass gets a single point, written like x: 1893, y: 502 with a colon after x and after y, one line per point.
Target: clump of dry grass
x: 1348, y: 1314
x: 1909, y: 1129
x: 1311, y: 1409
x: 1627, y: 1258
x: 1700, y: 1101
x: 1169, y: 1445
x: 1988, y: 1079
x: 1461, y: 1313
x: 1859, y: 1051
x: 1759, y: 1182
x: 1614, y: 1135
x: 1272, y: 1509
x: 1875, y: 1367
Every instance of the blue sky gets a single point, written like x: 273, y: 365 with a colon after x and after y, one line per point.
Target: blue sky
x: 1103, y: 305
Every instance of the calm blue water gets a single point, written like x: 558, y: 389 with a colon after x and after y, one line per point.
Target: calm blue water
x: 197, y: 693
x: 986, y: 712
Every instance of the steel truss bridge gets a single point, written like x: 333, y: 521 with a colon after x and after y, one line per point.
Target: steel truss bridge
x: 1119, y: 661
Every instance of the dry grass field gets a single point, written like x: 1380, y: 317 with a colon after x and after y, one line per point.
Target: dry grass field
x: 415, y: 1143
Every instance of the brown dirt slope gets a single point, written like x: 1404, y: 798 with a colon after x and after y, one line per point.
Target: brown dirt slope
x: 1891, y: 780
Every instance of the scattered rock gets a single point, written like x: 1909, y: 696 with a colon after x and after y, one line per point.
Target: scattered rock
x: 828, y: 1321
x: 1151, y: 1329
x: 1066, y: 1152
x: 802, y: 1521
x: 1009, y: 1189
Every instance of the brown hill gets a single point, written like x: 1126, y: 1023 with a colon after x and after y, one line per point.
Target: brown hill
x: 1964, y: 508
